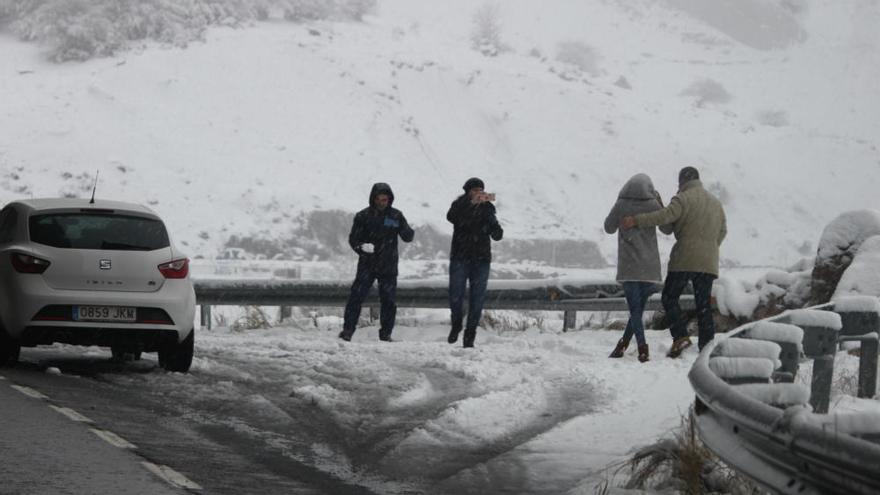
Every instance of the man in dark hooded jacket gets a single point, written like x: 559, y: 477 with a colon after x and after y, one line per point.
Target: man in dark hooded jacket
x: 373, y: 237
x: 474, y: 221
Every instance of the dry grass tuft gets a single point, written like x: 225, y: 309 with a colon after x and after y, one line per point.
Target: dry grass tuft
x: 683, y: 464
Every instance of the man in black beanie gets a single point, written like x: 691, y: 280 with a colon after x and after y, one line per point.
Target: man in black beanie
x: 474, y: 223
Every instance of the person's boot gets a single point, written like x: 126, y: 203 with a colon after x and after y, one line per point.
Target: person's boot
x: 678, y: 346
x: 469, y: 337
x: 453, y: 335
x: 385, y: 337
x: 643, y: 353
x: 619, y: 349
x: 345, y: 336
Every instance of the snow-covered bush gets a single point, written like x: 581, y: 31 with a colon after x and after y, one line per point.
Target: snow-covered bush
x: 840, y: 241
x: 707, y: 91
x: 774, y: 292
x: 512, y: 321
x: 580, y: 55
x: 862, y: 277
x: 298, y: 10
x: 81, y: 29
x: 253, y: 318
x: 486, y: 33
x: 847, y: 232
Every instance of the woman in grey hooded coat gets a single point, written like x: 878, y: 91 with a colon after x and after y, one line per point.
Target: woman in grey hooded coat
x: 638, y: 259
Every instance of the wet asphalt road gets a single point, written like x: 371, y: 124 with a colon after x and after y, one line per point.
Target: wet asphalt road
x: 221, y: 458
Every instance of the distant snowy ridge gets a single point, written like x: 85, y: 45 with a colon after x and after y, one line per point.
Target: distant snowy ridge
x: 242, y: 133
x: 101, y: 28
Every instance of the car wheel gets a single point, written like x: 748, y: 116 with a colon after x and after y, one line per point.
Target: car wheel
x: 178, y: 357
x: 9, y: 349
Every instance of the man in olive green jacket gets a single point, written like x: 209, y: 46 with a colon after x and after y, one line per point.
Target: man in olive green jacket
x: 699, y: 225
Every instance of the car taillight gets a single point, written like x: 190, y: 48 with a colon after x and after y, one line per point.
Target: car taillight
x: 175, y: 269
x: 25, y: 263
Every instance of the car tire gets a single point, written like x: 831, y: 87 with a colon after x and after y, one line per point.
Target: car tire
x: 9, y: 349
x: 178, y: 357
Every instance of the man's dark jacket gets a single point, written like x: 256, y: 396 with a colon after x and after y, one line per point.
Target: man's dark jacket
x: 473, y: 227
x: 379, y: 228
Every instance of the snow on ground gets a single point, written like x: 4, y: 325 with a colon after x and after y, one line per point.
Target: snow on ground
x: 537, y: 411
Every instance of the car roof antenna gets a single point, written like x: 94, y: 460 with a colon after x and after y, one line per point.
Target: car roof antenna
x: 92, y: 201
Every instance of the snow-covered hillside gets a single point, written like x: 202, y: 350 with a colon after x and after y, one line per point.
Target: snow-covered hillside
x: 775, y: 101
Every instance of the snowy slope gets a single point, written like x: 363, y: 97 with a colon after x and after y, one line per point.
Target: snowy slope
x: 241, y: 133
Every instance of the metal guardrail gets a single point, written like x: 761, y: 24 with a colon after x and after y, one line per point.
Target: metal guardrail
x: 787, y: 447
x: 569, y: 296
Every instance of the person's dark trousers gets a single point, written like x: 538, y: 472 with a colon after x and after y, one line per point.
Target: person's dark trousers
x: 476, y: 273
x: 637, y: 294
x: 363, y: 281
x: 672, y: 289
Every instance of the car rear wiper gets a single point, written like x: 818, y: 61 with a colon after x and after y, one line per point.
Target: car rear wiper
x: 123, y: 246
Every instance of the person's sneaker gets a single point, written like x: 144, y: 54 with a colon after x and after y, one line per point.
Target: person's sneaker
x: 619, y: 349
x: 453, y: 336
x: 678, y: 346
x: 643, y: 353
x: 344, y: 336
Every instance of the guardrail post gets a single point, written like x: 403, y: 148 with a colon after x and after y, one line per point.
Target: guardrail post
x: 860, y: 321
x: 569, y: 320
x: 868, y: 369
x: 820, y: 386
x: 205, y: 316
x: 820, y: 343
x: 374, y: 313
x: 284, y: 313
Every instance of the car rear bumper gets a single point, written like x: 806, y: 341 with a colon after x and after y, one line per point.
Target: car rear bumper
x: 29, y: 294
x: 129, y: 339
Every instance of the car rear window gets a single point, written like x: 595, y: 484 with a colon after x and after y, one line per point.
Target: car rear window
x: 98, y: 231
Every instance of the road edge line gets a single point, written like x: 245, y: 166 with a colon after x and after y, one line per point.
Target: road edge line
x: 30, y: 392
x: 71, y: 414
x: 171, y: 476
x: 113, y: 439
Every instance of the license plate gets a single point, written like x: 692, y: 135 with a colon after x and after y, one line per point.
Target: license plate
x: 104, y: 313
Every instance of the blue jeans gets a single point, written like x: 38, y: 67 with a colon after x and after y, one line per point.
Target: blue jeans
x: 460, y: 273
x: 363, y: 282
x: 637, y: 294
x: 672, y: 289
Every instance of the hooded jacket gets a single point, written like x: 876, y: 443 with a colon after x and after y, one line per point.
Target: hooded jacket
x: 473, y: 226
x: 638, y: 259
x: 381, y: 229
x: 699, y: 224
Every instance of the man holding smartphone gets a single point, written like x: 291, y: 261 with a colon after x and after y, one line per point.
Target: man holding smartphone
x: 373, y: 237
x: 474, y: 226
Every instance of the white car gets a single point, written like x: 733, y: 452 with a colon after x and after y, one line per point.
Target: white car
x: 98, y: 273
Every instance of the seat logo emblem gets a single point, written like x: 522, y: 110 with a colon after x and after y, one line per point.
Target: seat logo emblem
x: 104, y: 264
